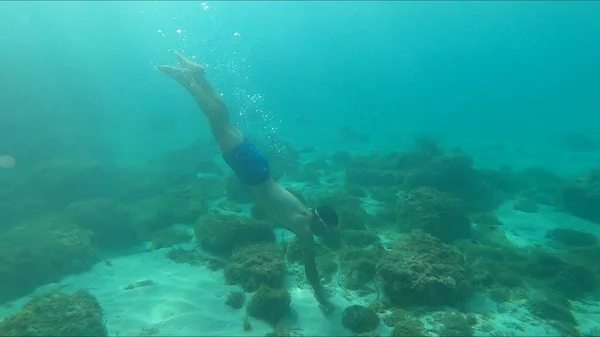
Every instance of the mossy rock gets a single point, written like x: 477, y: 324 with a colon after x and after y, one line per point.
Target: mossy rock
x: 57, y: 315
x: 455, y: 325
x: 572, y: 237
x: 437, y: 213
x: 18, y: 198
x: 269, y: 304
x: 151, y: 214
x: 581, y: 196
x: 108, y: 220
x: 236, y: 299
x: 195, y: 258
x: 358, y: 267
x: 169, y: 237
x: 67, y: 179
x: 408, y: 328
x: 553, y: 307
x: 221, y: 234
x: 253, y: 265
x: 359, y: 238
x: 341, y: 159
x: 571, y: 279
x: 188, y: 201
x: 360, y: 319
x: 42, y: 251
x: 526, y: 205
x: 421, y: 270
x: 495, y: 266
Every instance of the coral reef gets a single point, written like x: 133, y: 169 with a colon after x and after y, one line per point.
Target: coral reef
x: 269, y: 304
x: 221, y: 234
x: 107, y: 220
x: 422, y: 270
x: 360, y: 319
x: 434, y: 212
x: 253, y: 265
x: 57, y: 314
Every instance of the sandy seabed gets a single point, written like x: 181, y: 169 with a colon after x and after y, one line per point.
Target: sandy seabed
x: 183, y: 300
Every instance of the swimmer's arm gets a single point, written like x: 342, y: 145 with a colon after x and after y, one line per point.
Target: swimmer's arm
x: 310, y: 267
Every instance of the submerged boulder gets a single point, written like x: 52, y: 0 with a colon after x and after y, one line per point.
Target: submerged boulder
x: 421, y: 270
x: 437, y: 213
x: 221, y: 234
x: 107, y: 220
x: 57, y: 314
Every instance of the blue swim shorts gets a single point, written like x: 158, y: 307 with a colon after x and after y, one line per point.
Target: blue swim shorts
x: 249, y: 163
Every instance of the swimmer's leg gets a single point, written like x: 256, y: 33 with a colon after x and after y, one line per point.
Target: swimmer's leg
x: 227, y: 135
x: 247, y: 161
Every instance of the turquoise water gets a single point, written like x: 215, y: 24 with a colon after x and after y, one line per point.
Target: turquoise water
x: 515, y: 73
x: 83, y: 109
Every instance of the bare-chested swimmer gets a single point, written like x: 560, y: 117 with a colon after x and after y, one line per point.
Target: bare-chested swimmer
x: 250, y: 165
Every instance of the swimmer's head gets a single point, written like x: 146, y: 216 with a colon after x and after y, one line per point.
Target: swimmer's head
x: 324, y: 220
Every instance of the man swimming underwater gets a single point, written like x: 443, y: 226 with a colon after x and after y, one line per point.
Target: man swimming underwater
x: 251, y: 167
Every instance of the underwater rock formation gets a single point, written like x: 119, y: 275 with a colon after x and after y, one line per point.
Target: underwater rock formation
x: 151, y: 214
x: 108, y: 221
x: 68, y: 179
x: 57, y: 314
x: 18, y: 198
x: 236, y: 299
x: 359, y: 238
x: 571, y: 279
x: 572, y: 237
x: 434, y: 212
x: 221, y: 234
x: 358, y: 266
x: 421, y: 270
x: 556, y: 309
x: 454, y: 174
x: 581, y: 196
x: 581, y: 142
x: 42, y: 251
x: 269, y: 304
x: 360, y: 319
x: 253, y: 265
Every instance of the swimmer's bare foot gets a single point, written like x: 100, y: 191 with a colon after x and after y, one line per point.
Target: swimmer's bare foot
x: 182, y: 75
x: 185, y: 62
